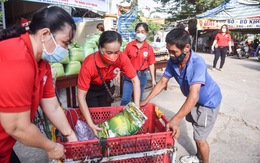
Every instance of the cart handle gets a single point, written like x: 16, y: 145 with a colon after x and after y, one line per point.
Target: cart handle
x: 160, y: 115
x: 158, y: 112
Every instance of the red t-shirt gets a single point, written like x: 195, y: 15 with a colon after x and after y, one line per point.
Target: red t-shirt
x: 222, y: 40
x: 144, y: 55
x: 89, y: 74
x: 24, y: 82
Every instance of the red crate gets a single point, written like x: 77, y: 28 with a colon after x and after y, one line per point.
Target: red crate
x: 152, y: 136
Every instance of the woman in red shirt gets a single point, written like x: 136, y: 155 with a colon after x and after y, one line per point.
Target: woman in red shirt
x: 26, y: 81
x: 109, y: 61
x: 223, y: 42
x: 142, y: 57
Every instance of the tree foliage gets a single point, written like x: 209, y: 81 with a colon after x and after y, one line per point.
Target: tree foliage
x: 182, y: 9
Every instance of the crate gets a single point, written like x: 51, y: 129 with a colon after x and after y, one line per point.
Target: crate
x: 152, y: 137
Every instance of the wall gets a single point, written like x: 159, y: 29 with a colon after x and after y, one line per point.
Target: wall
x: 85, y: 29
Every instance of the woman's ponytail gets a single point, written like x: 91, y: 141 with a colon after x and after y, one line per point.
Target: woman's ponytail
x: 11, y: 32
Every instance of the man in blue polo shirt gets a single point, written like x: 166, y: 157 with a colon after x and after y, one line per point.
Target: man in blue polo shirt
x: 203, y: 94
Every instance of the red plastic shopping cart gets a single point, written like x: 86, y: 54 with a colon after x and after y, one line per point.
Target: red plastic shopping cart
x: 152, y: 144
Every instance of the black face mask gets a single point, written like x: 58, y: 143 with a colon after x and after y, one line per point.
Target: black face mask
x: 176, y: 60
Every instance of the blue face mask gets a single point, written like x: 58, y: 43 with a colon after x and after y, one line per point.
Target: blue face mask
x: 57, y: 55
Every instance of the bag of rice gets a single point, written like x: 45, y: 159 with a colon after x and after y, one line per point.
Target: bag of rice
x: 127, y: 122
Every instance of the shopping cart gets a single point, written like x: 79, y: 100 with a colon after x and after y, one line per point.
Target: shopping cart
x: 152, y: 144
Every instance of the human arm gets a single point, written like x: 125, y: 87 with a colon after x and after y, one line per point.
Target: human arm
x: 137, y: 92
x: 151, y: 69
x: 156, y: 90
x: 19, y: 126
x: 213, y: 45
x: 230, y: 44
x: 56, y: 115
x: 85, y: 111
x: 189, y: 103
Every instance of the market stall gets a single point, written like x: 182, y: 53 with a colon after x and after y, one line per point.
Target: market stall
x: 239, y: 15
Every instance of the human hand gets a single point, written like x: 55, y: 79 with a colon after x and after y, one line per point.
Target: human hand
x: 153, y: 83
x: 174, y: 127
x: 95, y: 129
x: 212, y: 48
x: 142, y: 103
x: 56, y: 153
x: 230, y: 50
x: 72, y: 137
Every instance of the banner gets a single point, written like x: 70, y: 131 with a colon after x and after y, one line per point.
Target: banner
x: 98, y: 5
x: 207, y: 24
x: 125, y: 26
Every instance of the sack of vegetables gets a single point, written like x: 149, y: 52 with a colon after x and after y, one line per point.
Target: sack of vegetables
x: 127, y: 122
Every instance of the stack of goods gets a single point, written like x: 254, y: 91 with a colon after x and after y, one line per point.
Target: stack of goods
x: 160, y: 51
x: 128, y: 122
x: 91, y: 44
x: 71, y: 64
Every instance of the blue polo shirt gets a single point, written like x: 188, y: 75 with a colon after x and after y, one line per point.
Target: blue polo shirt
x: 196, y: 72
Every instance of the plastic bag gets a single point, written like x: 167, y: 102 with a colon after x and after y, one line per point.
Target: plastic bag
x: 81, y: 128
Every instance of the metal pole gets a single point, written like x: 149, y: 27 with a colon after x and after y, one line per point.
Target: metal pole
x: 3, y: 14
x: 196, y: 40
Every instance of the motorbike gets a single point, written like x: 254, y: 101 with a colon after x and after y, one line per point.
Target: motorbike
x: 258, y: 52
x: 242, y: 51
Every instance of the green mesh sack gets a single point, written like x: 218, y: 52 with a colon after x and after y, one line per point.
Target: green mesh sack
x: 58, y: 67
x: 72, y: 68
x: 66, y: 60
x: 87, y: 51
x: 76, y: 54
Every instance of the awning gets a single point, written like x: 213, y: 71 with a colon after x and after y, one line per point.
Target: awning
x: 97, y: 5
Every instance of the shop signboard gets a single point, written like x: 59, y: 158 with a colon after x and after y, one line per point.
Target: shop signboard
x: 125, y: 24
x: 207, y: 24
x: 98, y: 5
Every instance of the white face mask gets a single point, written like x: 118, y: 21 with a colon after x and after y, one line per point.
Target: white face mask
x: 57, y: 55
x: 140, y: 37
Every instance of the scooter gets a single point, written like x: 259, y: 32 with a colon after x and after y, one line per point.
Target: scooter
x: 242, y: 51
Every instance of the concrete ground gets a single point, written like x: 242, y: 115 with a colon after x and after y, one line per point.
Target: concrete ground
x: 236, y: 135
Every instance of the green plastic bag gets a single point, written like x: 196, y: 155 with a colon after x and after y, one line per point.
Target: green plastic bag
x: 59, y: 69
x: 127, y: 122
x: 72, y: 68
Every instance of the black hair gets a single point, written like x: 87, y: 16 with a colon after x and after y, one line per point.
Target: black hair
x: 11, y: 32
x: 51, y: 17
x: 142, y: 25
x: 178, y: 37
x: 100, y: 26
x: 108, y: 37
